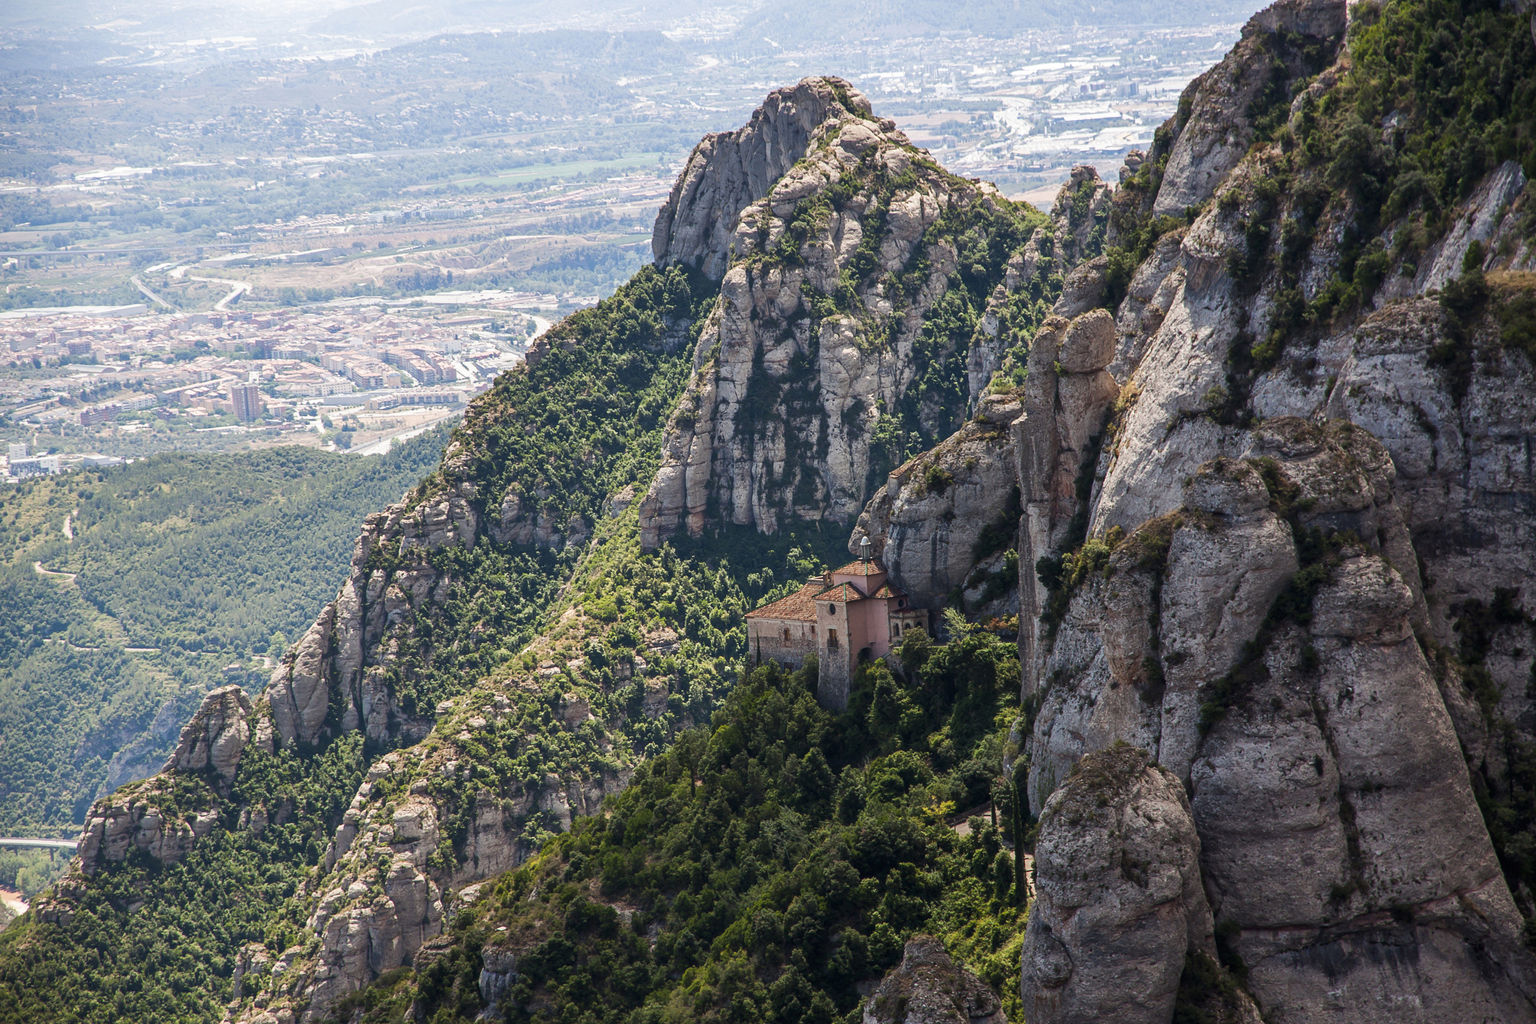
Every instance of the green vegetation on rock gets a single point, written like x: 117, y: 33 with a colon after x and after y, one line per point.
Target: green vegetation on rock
x: 763, y: 867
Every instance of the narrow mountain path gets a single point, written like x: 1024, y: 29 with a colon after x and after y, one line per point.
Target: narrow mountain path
x: 38, y: 567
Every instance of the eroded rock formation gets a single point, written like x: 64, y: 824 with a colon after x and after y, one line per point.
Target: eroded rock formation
x: 728, y: 171
x: 928, y: 987
x: 1118, y: 897
x: 216, y: 735
x: 944, y: 518
x: 1280, y: 554
x: 827, y: 325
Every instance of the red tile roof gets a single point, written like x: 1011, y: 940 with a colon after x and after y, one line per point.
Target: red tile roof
x: 859, y: 567
x: 799, y: 606
x: 846, y: 592
x: 885, y: 591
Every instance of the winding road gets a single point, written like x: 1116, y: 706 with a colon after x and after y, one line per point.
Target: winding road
x: 38, y: 566
x: 237, y: 289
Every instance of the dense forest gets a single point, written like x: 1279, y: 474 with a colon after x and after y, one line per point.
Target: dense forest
x: 178, y: 573
x: 764, y: 865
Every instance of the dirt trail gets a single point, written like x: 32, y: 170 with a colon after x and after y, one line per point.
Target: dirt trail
x: 38, y: 567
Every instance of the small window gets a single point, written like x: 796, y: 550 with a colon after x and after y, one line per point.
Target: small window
x: 786, y: 634
x: 832, y: 638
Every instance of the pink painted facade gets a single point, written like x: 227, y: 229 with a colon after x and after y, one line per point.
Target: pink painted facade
x: 846, y: 617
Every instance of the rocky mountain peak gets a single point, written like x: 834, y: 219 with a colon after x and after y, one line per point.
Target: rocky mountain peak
x: 727, y: 171
x: 869, y: 299
x: 1281, y: 46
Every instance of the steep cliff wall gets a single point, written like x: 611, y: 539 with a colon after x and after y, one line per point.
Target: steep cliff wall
x: 728, y: 171
x: 944, y: 520
x: 1297, y: 570
x: 869, y: 299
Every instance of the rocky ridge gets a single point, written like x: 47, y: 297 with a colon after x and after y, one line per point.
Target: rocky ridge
x: 928, y: 987
x: 728, y: 171
x: 1269, y: 576
x: 830, y: 328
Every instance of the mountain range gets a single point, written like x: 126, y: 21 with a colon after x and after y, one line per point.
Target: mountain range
x: 1217, y: 485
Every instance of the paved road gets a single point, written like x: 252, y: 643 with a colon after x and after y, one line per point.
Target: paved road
x: 43, y: 844
x: 237, y: 289
x: 383, y: 444
x: 149, y: 294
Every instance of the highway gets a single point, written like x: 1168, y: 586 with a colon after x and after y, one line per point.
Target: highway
x: 41, y: 844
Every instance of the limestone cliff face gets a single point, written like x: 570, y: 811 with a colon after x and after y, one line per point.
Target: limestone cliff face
x: 1280, y: 45
x: 143, y: 815
x: 1275, y: 575
x: 1193, y: 641
x: 830, y: 329
x: 334, y: 679
x: 1119, y: 904
x: 728, y: 171
x: 215, y: 737
x: 944, y: 518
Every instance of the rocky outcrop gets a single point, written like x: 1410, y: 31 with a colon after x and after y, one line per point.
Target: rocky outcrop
x: 728, y: 171
x: 1288, y: 41
x: 927, y: 987
x: 1177, y: 603
x: 943, y: 519
x: 823, y: 331
x: 1286, y: 533
x: 1350, y: 757
x: 1118, y: 897
x: 1261, y: 643
x: 386, y: 880
x: 216, y: 735
x: 1056, y: 439
x: 141, y: 817
x: 431, y: 820
x: 334, y: 679
x: 1081, y: 215
x: 498, y: 969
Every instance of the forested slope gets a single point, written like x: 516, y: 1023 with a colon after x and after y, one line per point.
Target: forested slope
x: 179, y: 573
x: 503, y: 654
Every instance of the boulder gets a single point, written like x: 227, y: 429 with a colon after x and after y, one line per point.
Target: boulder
x: 927, y: 987
x: 1118, y: 899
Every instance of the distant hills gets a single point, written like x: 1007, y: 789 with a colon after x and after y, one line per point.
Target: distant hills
x: 183, y: 568
x: 85, y: 31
